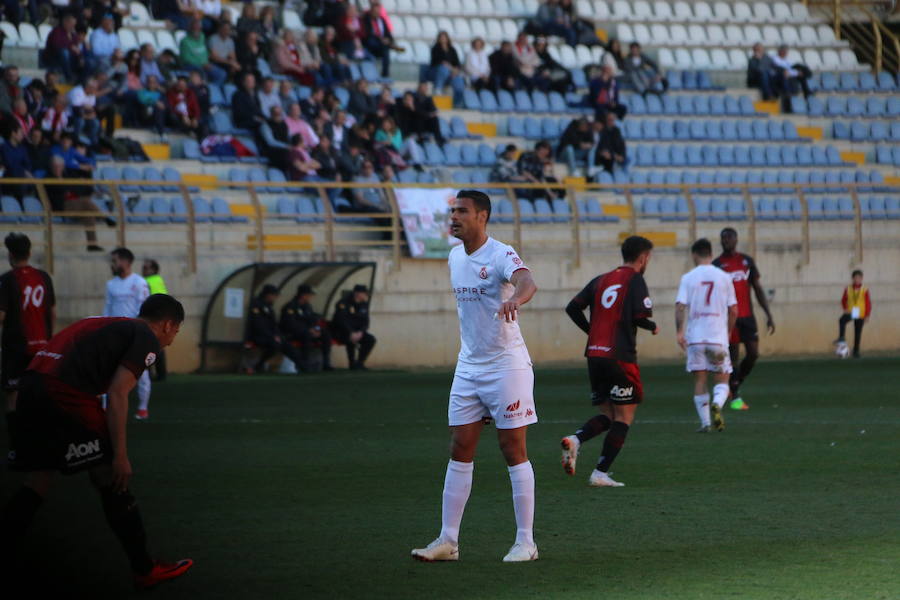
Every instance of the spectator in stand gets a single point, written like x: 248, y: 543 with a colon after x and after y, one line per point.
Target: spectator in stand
x: 83, y: 104
x: 15, y: 160
x: 361, y: 103
x: 610, y: 151
x: 614, y: 57
x: 179, y: 13
x: 507, y: 169
x: 297, y: 125
x: 760, y: 69
x: 35, y: 97
x: 527, y: 60
x: 604, y: 95
x: 504, y: 68
x: 56, y: 119
x: 788, y: 76
x: 38, y: 153
x: 351, y: 164
x: 201, y: 92
x: 286, y: 60
x: 268, y: 96
x: 194, y: 54
x: 427, y: 113
x: 126, y: 95
x: 275, y: 139
x: 222, y: 52
x: 302, y: 166
x: 212, y: 14
x: 393, y: 149
x: 152, y: 107
x: 184, y: 110
x: 245, y: 110
x: 104, y: 42
x: 550, y: 74
x: 537, y: 167
x: 386, y: 103
x: 63, y: 49
x: 311, y: 59
x: 63, y: 198
x: 551, y: 19
x: 478, y: 65
x: 269, y: 26
x: 332, y: 57
x: 377, y: 37
x: 643, y: 72
x: 21, y: 116
x: 148, y: 66
x: 405, y: 115
x: 106, y: 103
x: 350, y: 34
x: 575, y: 144
x: 338, y: 130
x: 101, y: 8
x: 248, y: 22
x: 9, y: 88
x: 313, y: 105
x: 373, y: 199
x: 328, y: 158
x: 286, y: 94
x: 445, y: 67
x: 168, y: 65
x: 250, y: 52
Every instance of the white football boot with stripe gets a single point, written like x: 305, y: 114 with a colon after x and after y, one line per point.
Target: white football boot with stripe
x: 438, y: 550
x: 521, y: 553
x: 601, y: 479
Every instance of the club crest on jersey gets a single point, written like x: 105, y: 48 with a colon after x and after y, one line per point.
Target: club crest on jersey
x: 622, y: 392
x: 151, y: 358
x: 648, y: 303
x: 483, y: 273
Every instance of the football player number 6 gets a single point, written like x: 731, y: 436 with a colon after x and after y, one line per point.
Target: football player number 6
x: 609, y: 296
x: 34, y: 296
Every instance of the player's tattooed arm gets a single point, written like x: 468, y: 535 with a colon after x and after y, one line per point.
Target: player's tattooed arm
x: 764, y: 303
x: 116, y: 417
x: 679, y: 325
x: 525, y: 289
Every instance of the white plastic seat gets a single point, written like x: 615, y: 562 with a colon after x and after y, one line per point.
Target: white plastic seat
x: 655, y: 32
x: 812, y: 59
x: 622, y: 10
x: 601, y: 10
x: 10, y: 33
x: 597, y: 53
x: 127, y: 39
x: 494, y: 30
x: 679, y: 35
x: 737, y: 58
x: 808, y: 35
x: 762, y: 12
x: 723, y: 13
x: 422, y: 52
x: 752, y: 34
x: 734, y: 35
x: 695, y: 33
x: 781, y: 13
x: 567, y: 57
x: 531, y: 7
x: 718, y: 58
x: 498, y: 7
x: 479, y: 30
x: 794, y: 56
x: 291, y: 19
x: 826, y: 35
x: 848, y: 59
x: 44, y: 32
x: 445, y: 24
x: 404, y: 6
x: 683, y: 11
x: 703, y: 13
x: 700, y: 58
x: 742, y: 13
x: 624, y: 34
x: 179, y: 35
x: 166, y: 41
x: 715, y: 35
x: 145, y: 36
x: 583, y: 54
x: 584, y: 9
x: 510, y: 29
x: 28, y: 36
x: 771, y: 36
x: 830, y: 60
x: 461, y: 29
x: 554, y: 53
x: 429, y: 29
x: 407, y: 56
x: 641, y: 10
x: 399, y: 24
x: 138, y: 16
x: 662, y: 11
x: 421, y: 7
x: 666, y: 59
x: 390, y: 6
x: 790, y: 36
x: 413, y: 26
x: 683, y: 59
x: 800, y: 12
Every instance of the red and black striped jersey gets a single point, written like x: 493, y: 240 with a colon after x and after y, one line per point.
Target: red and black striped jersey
x: 86, y: 354
x: 617, y: 300
x: 743, y: 272
x: 27, y: 298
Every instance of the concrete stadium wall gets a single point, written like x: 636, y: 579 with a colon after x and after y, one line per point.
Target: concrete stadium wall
x: 414, y: 313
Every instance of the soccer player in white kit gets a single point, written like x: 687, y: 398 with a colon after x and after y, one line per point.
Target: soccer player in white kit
x: 493, y: 378
x: 125, y: 293
x: 705, y: 311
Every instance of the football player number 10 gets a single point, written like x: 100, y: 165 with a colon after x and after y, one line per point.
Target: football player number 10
x: 33, y: 296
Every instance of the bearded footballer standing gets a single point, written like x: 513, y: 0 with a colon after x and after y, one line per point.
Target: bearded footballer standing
x: 620, y: 303
x: 493, y: 378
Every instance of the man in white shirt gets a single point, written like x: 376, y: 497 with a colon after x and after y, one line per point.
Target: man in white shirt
x: 705, y: 312
x: 125, y: 293
x: 493, y: 378
x: 788, y: 76
x: 104, y: 42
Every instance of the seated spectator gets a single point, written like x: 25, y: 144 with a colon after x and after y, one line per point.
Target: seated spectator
x: 263, y: 332
x: 212, y: 14
x: 126, y: 94
x: 445, y: 67
x: 269, y: 26
x: 504, y: 68
x: 604, y: 95
x: 152, y: 107
x: 328, y: 158
x: 575, y: 144
x: 56, y: 119
x: 585, y: 31
x: 302, y: 166
x: 168, y: 66
x: 105, y: 105
x: 248, y: 22
x: 427, y: 114
x: 369, y: 200
x: 550, y: 74
x: 147, y: 66
x: 222, y: 52
x: 313, y: 105
x: 35, y: 97
x: 245, y: 110
x: 386, y: 105
x: 268, y: 96
x: 311, y: 59
x: 336, y: 62
x: 527, y: 60
x: 15, y: 160
x: 377, y: 37
x: 9, y: 89
x: 63, y: 49
x: 788, y: 77
x: 101, y: 8
x: 642, y: 73
x: 179, y: 13
x: 351, y: 163
x: 361, y: 103
x: 351, y: 33
x: 184, y: 110
x: 21, y: 116
x: 286, y: 60
x: 297, y: 125
x: 104, y: 42
x: 194, y: 54
x: 537, y: 167
x: 610, y: 151
x: 351, y: 326
x: 478, y: 66
x: 551, y: 19
x: 393, y: 149
x: 300, y: 323
x: 760, y: 70
x: 64, y: 198
x: 406, y: 116
x: 338, y: 129
x: 507, y: 169
x: 613, y: 57
x: 276, y: 139
x: 201, y: 92
x: 38, y: 153
x: 83, y: 104
x: 250, y: 52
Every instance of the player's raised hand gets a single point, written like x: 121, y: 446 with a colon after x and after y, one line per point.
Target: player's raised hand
x: 508, y: 311
x: 770, y: 325
x: 121, y: 473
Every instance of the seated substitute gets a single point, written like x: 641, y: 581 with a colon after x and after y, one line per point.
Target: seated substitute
x: 262, y: 329
x: 351, y: 326
x: 300, y: 323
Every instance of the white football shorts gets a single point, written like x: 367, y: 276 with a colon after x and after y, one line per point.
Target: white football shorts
x: 708, y: 357
x: 505, y: 396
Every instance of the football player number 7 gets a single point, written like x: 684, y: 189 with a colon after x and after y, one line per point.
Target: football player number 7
x: 709, y: 289
x: 34, y: 296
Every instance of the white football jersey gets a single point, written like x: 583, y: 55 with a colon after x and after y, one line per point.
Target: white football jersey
x: 125, y: 296
x: 707, y: 291
x: 480, y: 282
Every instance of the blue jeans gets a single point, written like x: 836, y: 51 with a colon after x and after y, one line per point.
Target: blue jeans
x: 441, y: 74
x: 573, y: 156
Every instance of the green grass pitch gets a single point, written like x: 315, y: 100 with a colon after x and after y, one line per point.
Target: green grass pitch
x: 319, y: 486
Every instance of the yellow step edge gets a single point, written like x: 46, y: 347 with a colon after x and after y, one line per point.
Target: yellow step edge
x: 485, y: 129
x: 813, y: 133
x: 443, y: 102
x: 157, y: 151
x: 602, y: 34
x: 892, y: 180
x: 855, y: 157
x: 245, y: 210
x: 770, y: 106
x: 659, y: 238
x: 617, y: 210
x: 576, y: 182
x: 201, y: 180
x: 295, y: 241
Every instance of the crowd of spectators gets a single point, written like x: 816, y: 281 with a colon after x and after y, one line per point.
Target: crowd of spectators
x: 776, y: 76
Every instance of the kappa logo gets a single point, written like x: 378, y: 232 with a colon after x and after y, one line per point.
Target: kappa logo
x: 621, y: 392
x: 82, y: 450
x: 529, y: 412
x: 483, y: 273
x: 514, y: 406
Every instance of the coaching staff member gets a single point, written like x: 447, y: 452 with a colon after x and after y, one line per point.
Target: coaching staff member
x: 351, y: 326
x: 262, y: 329
x: 300, y: 323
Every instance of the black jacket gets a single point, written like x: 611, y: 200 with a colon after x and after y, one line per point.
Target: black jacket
x: 262, y: 327
x: 503, y: 65
x: 350, y: 316
x: 360, y: 105
x: 245, y: 110
x: 439, y: 55
x: 612, y: 141
x: 297, y: 319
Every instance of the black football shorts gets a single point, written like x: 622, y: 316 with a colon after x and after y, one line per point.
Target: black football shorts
x: 614, y: 381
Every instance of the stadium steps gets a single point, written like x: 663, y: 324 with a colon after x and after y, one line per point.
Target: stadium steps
x: 855, y: 157
x: 770, y: 107
x: 668, y: 239
x: 814, y: 133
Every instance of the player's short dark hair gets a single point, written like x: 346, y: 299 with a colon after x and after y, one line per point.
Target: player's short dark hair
x: 702, y: 248
x: 154, y: 266
x: 124, y: 254
x: 479, y: 199
x: 19, y: 245
x: 854, y: 274
x: 162, y: 307
x: 634, y: 246
x: 728, y: 230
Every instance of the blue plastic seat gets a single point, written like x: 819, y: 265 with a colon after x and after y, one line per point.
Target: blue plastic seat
x: 468, y: 155
x: 892, y: 206
x: 758, y: 156
x: 406, y: 176
x: 526, y: 210
x: 884, y: 155
x: 892, y: 108
x: 461, y: 177
x: 515, y: 127
x: 668, y: 209
x: 661, y: 155
x: 678, y: 155
x: 703, y: 207
x: 12, y: 210
x: 685, y: 105
x: 855, y: 108
x: 286, y: 208
x: 683, y: 130
x: 764, y: 208
x: 486, y: 156
x: 650, y: 207
x: 425, y: 177
x: 859, y: 131
x: 557, y: 103
x: 835, y: 106
x: 489, y: 101
x: 710, y: 155
x: 716, y: 106
x: 787, y: 209
x: 276, y: 176
x: 637, y: 105
x: 830, y: 208
x: 654, y: 105
x: 471, y: 100
x: 701, y: 105
x: 434, y: 156
x: 532, y: 128
x: 848, y: 82
x: 742, y: 156
x: 816, y: 108
x: 745, y: 131
x: 819, y: 156
x: 834, y: 157
x: 760, y: 131
x: 776, y: 130
x: 886, y: 82
x: 550, y: 128
x: 32, y: 209
x: 828, y: 82
x: 815, y: 208
x: 729, y: 131
x: 130, y: 173
x: 504, y: 211
x: 747, y: 108
x: 650, y: 129
x: 876, y: 106
x: 632, y: 130
x: 714, y: 130
x: 543, y: 211
x: 139, y: 212
x: 840, y: 130
x: 875, y: 207
x: 789, y: 155
x: 666, y: 130
x: 452, y: 155
x: 688, y: 79
x: 505, y: 101
x: 160, y: 209
x: 799, y: 105
x: 523, y: 101
x: 732, y: 106
x: 540, y: 102
x: 786, y: 178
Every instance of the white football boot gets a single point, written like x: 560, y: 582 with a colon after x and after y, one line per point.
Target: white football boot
x: 521, y: 553
x: 601, y: 479
x: 437, y: 550
x: 570, y: 446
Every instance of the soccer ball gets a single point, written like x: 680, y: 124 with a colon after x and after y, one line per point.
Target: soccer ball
x: 842, y: 350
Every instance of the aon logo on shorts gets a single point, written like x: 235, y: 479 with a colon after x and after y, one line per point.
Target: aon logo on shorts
x: 82, y: 450
x: 621, y: 392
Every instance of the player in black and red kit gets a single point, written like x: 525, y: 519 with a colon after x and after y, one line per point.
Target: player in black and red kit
x: 619, y: 303
x: 745, y: 275
x: 27, y: 314
x: 61, y: 426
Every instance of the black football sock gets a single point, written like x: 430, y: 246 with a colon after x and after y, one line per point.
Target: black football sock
x: 11, y: 428
x: 16, y: 518
x: 124, y: 518
x: 614, y: 441
x: 593, y: 428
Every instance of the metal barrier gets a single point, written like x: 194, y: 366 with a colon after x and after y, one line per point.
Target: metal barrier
x: 341, y: 231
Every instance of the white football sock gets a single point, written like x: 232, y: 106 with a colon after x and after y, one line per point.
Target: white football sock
x: 720, y: 394
x: 701, y: 401
x: 522, y: 478
x: 143, y: 391
x: 457, y: 485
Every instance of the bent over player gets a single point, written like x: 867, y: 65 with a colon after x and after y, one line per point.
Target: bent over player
x: 705, y: 311
x: 619, y: 303
x: 493, y: 376
x: 61, y: 426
